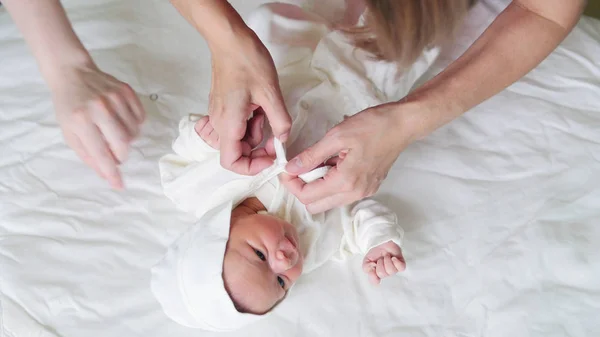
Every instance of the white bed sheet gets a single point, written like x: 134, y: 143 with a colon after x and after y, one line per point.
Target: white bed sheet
x: 501, y: 207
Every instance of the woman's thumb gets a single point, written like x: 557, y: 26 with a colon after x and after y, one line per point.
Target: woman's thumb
x: 312, y: 157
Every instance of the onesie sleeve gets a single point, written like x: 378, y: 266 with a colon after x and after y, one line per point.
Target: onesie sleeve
x: 192, y: 176
x: 189, y: 145
x: 369, y: 225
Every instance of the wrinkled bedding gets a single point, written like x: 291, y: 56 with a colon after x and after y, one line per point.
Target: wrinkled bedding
x: 501, y: 207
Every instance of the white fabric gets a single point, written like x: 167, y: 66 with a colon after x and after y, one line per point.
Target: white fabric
x: 188, y: 281
x: 197, y: 186
x: 500, y: 207
x: 194, y: 179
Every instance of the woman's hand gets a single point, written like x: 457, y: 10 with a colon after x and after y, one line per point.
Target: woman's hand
x: 99, y: 116
x: 244, y: 80
x: 361, y: 149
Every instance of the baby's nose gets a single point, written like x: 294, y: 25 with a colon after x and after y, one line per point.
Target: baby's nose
x: 286, y: 257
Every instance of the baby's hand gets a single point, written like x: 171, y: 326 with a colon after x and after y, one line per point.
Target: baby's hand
x: 383, y: 261
x: 205, y: 130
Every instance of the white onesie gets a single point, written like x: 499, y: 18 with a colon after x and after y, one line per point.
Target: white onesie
x: 194, y: 179
x: 323, y: 78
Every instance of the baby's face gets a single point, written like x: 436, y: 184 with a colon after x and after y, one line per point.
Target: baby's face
x: 262, y: 261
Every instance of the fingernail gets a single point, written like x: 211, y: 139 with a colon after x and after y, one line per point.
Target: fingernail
x: 262, y: 122
x: 294, y: 166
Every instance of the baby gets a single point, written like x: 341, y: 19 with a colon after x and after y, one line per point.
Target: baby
x: 263, y: 257
x: 253, y: 239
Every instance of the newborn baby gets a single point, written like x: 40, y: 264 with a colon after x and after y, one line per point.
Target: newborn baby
x: 263, y: 257
x: 253, y: 239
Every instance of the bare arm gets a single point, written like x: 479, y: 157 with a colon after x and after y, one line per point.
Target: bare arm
x: 49, y: 34
x: 216, y: 20
x: 243, y: 79
x: 520, y: 38
x: 517, y: 41
x: 98, y: 114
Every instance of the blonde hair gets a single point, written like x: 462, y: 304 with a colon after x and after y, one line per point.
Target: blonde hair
x: 400, y: 30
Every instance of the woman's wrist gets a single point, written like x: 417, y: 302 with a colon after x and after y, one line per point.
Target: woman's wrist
x: 429, y: 107
x: 216, y: 20
x: 56, y: 67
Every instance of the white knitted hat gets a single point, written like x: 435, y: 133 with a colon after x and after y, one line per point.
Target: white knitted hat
x: 188, y: 282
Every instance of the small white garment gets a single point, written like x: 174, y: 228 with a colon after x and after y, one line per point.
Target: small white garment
x: 323, y: 78
x: 188, y: 281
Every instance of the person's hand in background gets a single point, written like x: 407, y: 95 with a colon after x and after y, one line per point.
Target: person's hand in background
x: 98, y: 114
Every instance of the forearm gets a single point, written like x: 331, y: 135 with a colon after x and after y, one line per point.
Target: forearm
x: 372, y: 224
x: 216, y: 20
x: 515, y: 43
x: 49, y: 35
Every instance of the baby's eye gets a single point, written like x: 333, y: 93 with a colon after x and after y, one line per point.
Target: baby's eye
x: 281, y: 281
x: 260, y: 254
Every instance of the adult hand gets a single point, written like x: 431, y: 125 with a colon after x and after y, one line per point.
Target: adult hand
x: 244, y: 80
x: 99, y: 116
x: 361, y: 149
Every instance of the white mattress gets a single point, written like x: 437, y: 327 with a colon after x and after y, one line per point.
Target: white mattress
x: 501, y: 207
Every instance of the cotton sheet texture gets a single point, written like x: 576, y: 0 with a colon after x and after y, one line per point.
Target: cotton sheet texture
x: 501, y: 207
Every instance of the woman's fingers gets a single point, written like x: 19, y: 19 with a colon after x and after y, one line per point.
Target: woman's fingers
x: 123, y: 112
x: 271, y: 102
x: 314, y: 156
x: 94, y: 145
x: 254, y: 134
x: 112, y: 128
x: 133, y: 102
x: 314, y: 191
x: 75, y: 143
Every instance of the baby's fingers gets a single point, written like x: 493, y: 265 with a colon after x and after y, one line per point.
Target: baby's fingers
x: 399, y: 263
x: 380, y: 269
x: 368, y: 266
x: 373, y: 278
x: 390, y: 267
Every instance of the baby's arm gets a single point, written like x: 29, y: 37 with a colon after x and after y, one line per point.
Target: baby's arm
x: 374, y: 232
x: 190, y: 144
x: 192, y: 174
